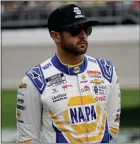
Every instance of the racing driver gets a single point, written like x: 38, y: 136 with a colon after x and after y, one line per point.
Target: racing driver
x: 71, y: 97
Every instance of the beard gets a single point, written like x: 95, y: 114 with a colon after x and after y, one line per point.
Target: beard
x: 76, y: 49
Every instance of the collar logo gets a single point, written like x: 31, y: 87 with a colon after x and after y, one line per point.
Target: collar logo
x: 76, y: 70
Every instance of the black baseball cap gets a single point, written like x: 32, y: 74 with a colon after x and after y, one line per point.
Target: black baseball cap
x: 68, y: 16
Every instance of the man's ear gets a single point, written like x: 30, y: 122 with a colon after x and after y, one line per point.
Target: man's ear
x: 55, y: 36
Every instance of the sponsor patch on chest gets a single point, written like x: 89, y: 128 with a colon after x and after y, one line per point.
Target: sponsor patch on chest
x: 99, y: 89
x: 55, y: 80
x: 59, y: 97
x: 82, y: 114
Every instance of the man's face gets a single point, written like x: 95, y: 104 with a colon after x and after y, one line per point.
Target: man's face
x: 76, y: 44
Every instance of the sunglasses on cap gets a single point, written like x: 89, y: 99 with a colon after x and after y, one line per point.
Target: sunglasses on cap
x: 76, y: 30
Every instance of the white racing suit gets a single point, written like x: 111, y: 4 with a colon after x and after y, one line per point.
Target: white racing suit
x: 63, y: 104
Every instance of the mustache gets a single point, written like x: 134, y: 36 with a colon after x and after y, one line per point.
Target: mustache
x: 82, y: 41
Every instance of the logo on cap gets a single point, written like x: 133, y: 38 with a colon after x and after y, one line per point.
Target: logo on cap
x: 77, y: 12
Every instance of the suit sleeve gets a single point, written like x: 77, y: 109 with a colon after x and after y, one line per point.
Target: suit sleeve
x: 28, y: 113
x: 113, y: 106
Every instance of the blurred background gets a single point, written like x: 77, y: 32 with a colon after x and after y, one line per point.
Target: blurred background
x: 26, y: 43
x: 19, y: 14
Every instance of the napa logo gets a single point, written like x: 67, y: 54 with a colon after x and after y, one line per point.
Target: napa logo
x: 47, y: 66
x: 76, y: 69
x: 77, y: 114
x: 81, y: 114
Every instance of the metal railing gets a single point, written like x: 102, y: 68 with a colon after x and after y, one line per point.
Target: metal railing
x: 38, y: 17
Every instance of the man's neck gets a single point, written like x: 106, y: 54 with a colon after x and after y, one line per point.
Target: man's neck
x: 68, y: 59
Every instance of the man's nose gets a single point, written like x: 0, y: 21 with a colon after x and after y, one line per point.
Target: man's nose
x: 83, y: 33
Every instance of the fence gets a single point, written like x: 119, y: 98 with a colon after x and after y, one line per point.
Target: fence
x: 116, y: 12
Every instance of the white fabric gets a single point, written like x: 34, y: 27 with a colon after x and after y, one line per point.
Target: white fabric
x: 72, y: 107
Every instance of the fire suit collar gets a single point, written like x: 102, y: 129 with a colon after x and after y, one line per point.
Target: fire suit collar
x: 70, y: 65
x: 69, y: 70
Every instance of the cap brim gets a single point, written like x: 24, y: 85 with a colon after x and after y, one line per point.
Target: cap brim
x: 88, y: 21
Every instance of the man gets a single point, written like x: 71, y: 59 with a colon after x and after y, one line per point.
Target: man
x: 71, y: 97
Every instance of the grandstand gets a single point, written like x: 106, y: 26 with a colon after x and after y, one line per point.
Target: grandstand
x: 24, y: 14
